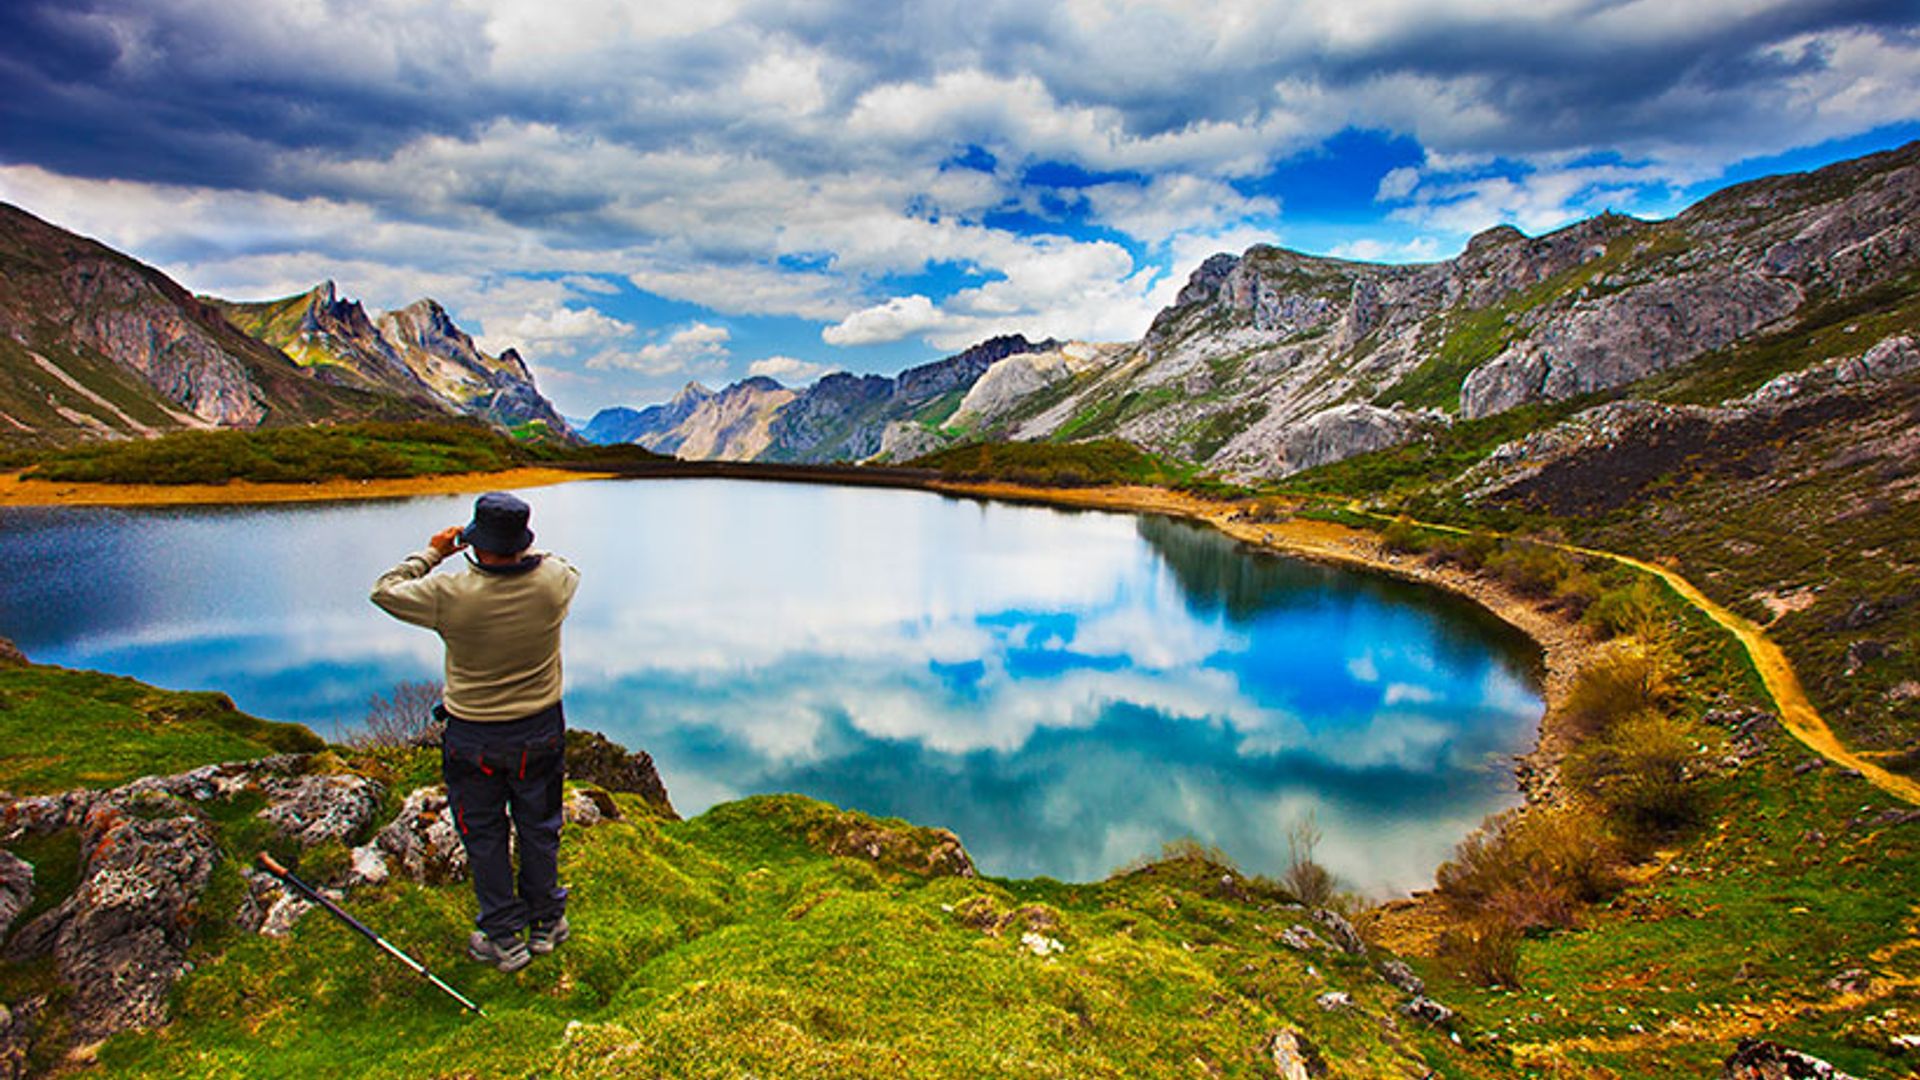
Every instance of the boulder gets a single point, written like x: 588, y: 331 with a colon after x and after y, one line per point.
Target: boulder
x: 1758, y: 1059
x: 1401, y: 977
x: 1301, y: 939
x: 120, y: 941
x: 16, y: 889
x: 1429, y: 1010
x: 1340, y: 931
x: 423, y: 839
x: 10, y: 654
x: 590, y: 806
x: 1293, y: 1056
x: 1333, y: 1000
x: 315, y: 809
x: 594, y: 758
x: 16, y: 1036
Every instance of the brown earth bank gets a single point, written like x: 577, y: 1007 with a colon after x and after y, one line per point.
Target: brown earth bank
x: 17, y: 491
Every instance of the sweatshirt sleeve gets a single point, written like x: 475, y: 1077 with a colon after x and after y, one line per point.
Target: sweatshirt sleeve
x: 406, y: 593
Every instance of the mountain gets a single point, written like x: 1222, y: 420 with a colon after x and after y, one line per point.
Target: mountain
x: 1273, y: 361
x: 416, y: 352
x: 96, y: 344
x: 842, y: 417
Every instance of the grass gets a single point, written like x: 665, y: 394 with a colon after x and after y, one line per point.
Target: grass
x: 1105, y: 461
x: 63, y: 729
x: 358, y: 451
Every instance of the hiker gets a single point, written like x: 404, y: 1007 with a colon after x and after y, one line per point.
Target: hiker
x: 503, y: 746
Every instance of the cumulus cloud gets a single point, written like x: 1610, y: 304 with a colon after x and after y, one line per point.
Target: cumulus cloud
x: 695, y: 348
x: 788, y: 370
x: 900, y: 317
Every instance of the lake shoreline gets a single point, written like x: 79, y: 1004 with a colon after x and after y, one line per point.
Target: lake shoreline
x: 1565, y: 645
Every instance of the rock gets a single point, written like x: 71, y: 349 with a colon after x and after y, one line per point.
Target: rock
x: 122, y: 936
x: 368, y: 866
x: 219, y: 781
x: 315, y: 809
x: 10, y: 654
x: 424, y: 840
x: 1301, y: 939
x: 904, y: 440
x: 1758, y: 1059
x: 1346, y: 431
x: 1429, y: 1010
x: 16, y: 889
x: 16, y: 1036
x: 1401, y: 977
x: 589, y: 806
x: 1294, y: 1056
x: 1340, y: 931
x: 1851, y: 981
x: 1334, y: 999
x: 1040, y: 944
x: 595, y: 759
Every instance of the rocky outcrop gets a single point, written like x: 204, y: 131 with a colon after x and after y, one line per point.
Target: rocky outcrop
x: 120, y: 941
x: 595, y: 759
x: 1294, y: 1056
x: 1346, y: 431
x: 423, y: 839
x: 16, y: 890
x: 312, y: 810
x: 10, y: 654
x: 1759, y: 1059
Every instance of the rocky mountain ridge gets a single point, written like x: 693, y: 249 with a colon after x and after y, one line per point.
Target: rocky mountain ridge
x: 1272, y: 361
x: 416, y: 352
x: 94, y: 344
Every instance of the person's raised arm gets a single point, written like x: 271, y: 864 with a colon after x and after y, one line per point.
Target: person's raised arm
x: 404, y: 592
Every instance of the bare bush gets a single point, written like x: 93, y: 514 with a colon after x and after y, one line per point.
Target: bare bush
x: 403, y: 719
x: 1308, y: 881
x: 1639, y: 773
x: 1621, y: 683
x: 1530, y: 870
x: 1487, y: 951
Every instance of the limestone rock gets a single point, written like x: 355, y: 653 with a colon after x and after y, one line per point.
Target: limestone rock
x: 1340, y: 931
x: 1294, y: 1056
x: 1401, y: 977
x: 122, y: 936
x: 1758, y: 1059
x: 16, y: 889
x: 10, y: 654
x: 316, y: 809
x: 368, y: 866
x: 1301, y: 939
x: 16, y: 1036
x: 1334, y: 1000
x: 1429, y: 1010
x: 1346, y: 431
x: 424, y: 840
x: 589, y: 806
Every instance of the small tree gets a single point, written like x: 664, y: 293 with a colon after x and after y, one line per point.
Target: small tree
x: 404, y: 719
x: 1309, y: 882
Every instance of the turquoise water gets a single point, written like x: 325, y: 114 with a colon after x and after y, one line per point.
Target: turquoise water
x: 1067, y: 691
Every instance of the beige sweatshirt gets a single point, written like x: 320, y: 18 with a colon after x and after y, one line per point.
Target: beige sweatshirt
x: 502, y: 630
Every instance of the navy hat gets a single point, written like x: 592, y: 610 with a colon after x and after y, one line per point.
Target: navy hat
x: 499, y: 524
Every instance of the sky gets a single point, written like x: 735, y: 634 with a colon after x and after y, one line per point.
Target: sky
x: 641, y: 194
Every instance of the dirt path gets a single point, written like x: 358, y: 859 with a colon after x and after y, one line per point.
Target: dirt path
x: 17, y: 492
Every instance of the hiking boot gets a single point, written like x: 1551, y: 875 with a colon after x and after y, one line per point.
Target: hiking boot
x: 505, y: 954
x: 544, y: 937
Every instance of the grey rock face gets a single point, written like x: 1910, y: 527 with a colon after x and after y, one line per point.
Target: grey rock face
x: 1429, y: 1010
x: 120, y: 940
x: 1759, y: 1059
x: 315, y: 809
x: 1294, y: 1056
x: 1346, y: 431
x: 1401, y: 977
x: 1340, y: 931
x: 16, y: 889
x: 423, y: 839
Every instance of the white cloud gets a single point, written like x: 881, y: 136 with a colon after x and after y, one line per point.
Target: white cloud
x: 900, y: 317
x: 788, y: 370
x: 1369, y: 249
x: 695, y: 348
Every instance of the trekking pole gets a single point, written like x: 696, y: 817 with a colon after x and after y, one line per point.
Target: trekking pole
x: 271, y: 866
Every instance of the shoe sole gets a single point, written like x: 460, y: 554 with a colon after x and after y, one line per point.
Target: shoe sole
x: 545, y: 947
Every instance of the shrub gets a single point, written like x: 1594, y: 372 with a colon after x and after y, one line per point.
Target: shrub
x: 1529, y: 870
x: 1486, y: 949
x: 1638, y: 772
x: 1528, y: 569
x: 1621, y: 683
x: 1308, y: 881
x: 1402, y: 537
x: 405, y: 719
x: 1635, y: 610
x: 1469, y: 552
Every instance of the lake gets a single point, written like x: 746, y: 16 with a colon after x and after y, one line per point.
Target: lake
x: 1066, y: 690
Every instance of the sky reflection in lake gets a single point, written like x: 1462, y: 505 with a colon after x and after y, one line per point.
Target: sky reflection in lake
x: 1066, y: 690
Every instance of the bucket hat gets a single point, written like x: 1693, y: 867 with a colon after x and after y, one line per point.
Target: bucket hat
x: 499, y: 524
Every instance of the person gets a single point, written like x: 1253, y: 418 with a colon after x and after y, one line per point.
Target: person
x: 503, y: 748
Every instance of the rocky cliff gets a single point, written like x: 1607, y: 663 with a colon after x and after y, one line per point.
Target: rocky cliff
x: 95, y: 344
x: 417, y: 353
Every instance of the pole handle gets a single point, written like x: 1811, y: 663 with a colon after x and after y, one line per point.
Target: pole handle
x: 270, y: 864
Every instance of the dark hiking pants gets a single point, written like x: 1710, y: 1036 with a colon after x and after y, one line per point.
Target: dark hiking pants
x: 501, y: 773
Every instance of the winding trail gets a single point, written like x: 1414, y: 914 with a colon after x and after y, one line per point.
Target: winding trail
x: 1797, y: 713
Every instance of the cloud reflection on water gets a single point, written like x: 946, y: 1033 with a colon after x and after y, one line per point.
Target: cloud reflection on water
x: 1066, y: 690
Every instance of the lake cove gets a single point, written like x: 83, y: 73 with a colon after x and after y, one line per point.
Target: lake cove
x: 1066, y: 690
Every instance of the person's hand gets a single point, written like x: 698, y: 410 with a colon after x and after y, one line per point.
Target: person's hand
x: 446, y: 541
